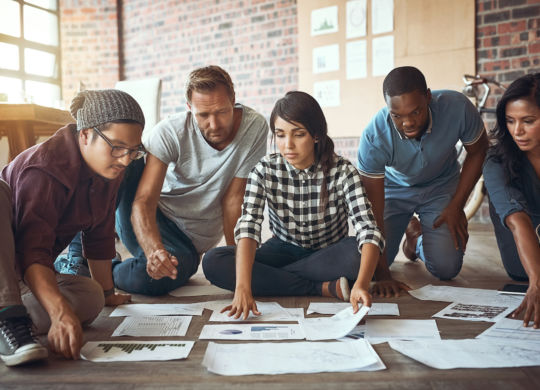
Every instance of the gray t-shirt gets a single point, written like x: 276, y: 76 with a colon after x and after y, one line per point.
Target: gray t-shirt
x: 198, y: 175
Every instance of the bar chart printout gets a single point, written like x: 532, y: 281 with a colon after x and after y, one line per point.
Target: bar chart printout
x: 116, y: 351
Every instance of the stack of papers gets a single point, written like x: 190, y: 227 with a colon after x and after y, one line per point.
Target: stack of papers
x: 286, y: 358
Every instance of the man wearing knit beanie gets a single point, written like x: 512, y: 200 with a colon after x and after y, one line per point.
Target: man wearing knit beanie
x: 50, y: 192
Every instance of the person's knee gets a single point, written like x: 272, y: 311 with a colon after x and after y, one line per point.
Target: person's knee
x: 214, y: 262
x: 448, y: 268
x: 86, y: 299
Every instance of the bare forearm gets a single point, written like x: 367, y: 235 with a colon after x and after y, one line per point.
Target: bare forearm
x: 245, y: 256
x: 368, y: 263
x: 470, y: 173
x: 101, y: 271
x: 231, y: 213
x: 42, y: 283
x: 143, y: 220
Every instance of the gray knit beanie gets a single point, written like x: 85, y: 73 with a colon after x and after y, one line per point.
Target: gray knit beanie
x: 95, y: 107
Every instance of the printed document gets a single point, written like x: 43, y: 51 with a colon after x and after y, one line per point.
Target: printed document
x: 132, y: 351
x: 476, y: 353
x: 270, y: 311
x: 153, y: 326
x: 380, y: 331
x: 465, y: 295
x: 474, y: 312
x: 160, y: 309
x: 253, y: 332
x: 335, y: 327
x: 509, y: 329
x: 377, y: 309
x: 286, y: 358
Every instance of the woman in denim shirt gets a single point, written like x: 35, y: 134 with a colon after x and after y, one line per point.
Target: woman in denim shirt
x: 512, y: 177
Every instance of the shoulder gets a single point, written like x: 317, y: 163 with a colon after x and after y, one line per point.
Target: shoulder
x: 446, y: 99
x: 252, y: 119
x: 379, y: 125
x: 173, y: 124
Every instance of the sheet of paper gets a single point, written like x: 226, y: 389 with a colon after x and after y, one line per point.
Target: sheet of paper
x: 359, y: 332
x: 377, y: 309
x: 285, y: 358
x: 198, y: 286
x: 382, y: 16
x: 474, y: 312
x: 335, y: 327
x: 356, y: 57
x: 380, y: 331
x: 356, y: 19
x: 252, y: 332
x: 508, y: 329
x: 270, y: 311
x: 132, y: 351
x: 382, y: 55
x: 465, y: 295
x: 153, y: 326
x: 327, y: 93
x: 159, y: 309
x: 476, y: 353
x: 324, y: 20
x: 325, y: 59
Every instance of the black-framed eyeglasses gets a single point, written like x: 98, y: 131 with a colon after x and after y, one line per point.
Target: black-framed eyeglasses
x: 121, y: 151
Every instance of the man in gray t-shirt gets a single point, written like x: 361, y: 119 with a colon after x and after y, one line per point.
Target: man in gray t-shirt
x: 189, y: 194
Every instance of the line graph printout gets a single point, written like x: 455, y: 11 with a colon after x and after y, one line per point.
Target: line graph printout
x: 159, y: 309
x: 153, y: 326
x: 296, y: 357
x: 132, y: 351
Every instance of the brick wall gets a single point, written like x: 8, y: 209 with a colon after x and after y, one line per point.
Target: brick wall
x: 254, y: 40
x: 89, y: 39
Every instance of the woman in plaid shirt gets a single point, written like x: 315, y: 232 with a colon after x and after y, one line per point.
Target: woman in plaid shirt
x: 311, y: 192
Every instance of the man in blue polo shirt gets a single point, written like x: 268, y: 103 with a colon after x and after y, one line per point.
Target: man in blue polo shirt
x: 408, y: 161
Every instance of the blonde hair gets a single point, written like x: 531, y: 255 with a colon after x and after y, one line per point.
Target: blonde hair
x: 209, y: 78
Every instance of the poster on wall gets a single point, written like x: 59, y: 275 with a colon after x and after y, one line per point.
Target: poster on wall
x: 327, y: 93
x: 383, y: 55
x: 356, y: 19
x: 356, y: 59
x: 382, y: 16
x: 324, y: 20
x: 326, y: 58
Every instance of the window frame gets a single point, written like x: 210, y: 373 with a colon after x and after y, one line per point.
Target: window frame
x: 23, y: 44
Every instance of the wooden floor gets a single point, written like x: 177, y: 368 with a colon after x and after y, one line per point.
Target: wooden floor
x: 482, y: 269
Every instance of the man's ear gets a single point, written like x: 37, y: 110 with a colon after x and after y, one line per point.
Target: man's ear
x: 84, y: 136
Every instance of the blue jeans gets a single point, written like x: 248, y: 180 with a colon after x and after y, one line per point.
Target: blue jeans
x: 281, y: 268
x: 130, y: 275
x: 435, y: 247
x: 507, y: 246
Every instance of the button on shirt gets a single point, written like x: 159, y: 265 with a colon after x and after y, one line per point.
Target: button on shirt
x: 293, y: 198
x: 385, y: 153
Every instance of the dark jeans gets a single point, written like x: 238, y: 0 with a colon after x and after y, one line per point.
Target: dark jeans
x: 507, y: 247
x: 130, y: 275
x: 281, y: 268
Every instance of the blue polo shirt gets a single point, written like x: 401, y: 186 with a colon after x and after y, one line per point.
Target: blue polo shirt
x: 432, y: 161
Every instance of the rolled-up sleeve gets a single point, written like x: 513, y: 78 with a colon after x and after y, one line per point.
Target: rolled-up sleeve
x: 249, y: 223
x: 505, y: 198
x: 360, y: 211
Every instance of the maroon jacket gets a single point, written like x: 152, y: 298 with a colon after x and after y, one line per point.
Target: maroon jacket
x: 56, y: 195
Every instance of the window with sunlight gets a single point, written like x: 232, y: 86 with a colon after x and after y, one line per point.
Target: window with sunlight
x: 30, y: 52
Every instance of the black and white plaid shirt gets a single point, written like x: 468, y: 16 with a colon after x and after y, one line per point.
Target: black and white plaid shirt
x: 293, y: 197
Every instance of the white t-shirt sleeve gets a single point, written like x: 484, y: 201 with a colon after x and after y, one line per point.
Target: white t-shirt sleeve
x: 257, y: 149
x: 162, y: 141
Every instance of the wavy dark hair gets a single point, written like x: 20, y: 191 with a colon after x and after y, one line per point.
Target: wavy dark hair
x: 300, y: 107
x: 504, y: 149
